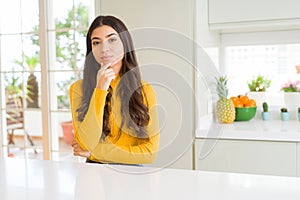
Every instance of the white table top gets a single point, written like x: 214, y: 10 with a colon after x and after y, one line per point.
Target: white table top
x: 49, y: 180
x: 256, y: 129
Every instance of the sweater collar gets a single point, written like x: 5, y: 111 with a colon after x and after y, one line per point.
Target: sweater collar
x: 115, y: 82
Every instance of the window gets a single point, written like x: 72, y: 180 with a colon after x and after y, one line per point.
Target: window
x: 66, y: 38
x: 21, y: 73
x: 276, y: 62
x: 273, y: 54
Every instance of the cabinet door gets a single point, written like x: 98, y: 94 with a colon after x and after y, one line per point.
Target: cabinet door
x: 298, y: 159
x: 257, y: 157
x: 233, y: 11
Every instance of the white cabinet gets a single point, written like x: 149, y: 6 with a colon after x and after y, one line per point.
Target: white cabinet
x: 255, y: 13
x: 257, y: 157
x: 159, y: 30
x: 298, y: 159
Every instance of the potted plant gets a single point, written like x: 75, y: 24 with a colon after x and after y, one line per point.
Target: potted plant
x: 299, y: 114
x: 291, y: 91
x: 266, y: 115
x: 32, y: 84
x: 259, y: 84
x: 285, y: 115
x: 32, y: 87
x: 258, y: 87
x: 291, y: 86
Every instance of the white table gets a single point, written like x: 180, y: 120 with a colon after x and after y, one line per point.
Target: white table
x: 41, y: 180
x: 256, y: 129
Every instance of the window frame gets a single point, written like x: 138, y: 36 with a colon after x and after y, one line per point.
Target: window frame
x: 48, y: 147
x: 252, y: 39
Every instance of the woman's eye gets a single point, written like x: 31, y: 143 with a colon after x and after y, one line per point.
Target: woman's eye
x: 112, y: 39
x: 96, y: 42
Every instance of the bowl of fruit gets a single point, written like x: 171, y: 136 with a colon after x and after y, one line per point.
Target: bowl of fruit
x: 245, y: 108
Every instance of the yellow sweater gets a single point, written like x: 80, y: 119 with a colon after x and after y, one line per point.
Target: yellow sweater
x: 127, y: 149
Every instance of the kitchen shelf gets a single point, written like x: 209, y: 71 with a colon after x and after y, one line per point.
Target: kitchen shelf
x: 256, y: 129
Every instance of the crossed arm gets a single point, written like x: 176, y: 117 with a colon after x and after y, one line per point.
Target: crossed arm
x: 88, y: 132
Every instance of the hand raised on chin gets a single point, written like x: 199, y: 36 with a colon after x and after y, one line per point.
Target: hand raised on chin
x: 105, y: 75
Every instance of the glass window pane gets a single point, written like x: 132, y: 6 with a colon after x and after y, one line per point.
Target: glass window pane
x: 2, y: 91
x: 33, y: 123
x: 30, y: 15
x: 82, y: 13
x: 16, y: 152
x: 10, y: 15
x: 60, y: 84
x: 62, y: 13
x: 11, y: 52
x: 31, y: 50
x: 13, y: 83
x: 34, y: 153
x: 62, y: 136
x: 277, y: 62
x: 70, y: 51
x: 65, y: 50
x: 81, y: 48
x: 33, y: 89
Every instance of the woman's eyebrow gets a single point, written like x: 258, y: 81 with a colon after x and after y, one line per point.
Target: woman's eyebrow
x: 110, y: 35
x: 107, y: 36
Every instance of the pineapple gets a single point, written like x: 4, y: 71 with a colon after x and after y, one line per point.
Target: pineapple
x: 225, y: 107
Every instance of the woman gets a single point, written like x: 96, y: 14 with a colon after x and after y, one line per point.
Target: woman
x: 113, y: 111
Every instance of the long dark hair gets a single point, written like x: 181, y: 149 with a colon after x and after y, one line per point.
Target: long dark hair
x: 129, y: 90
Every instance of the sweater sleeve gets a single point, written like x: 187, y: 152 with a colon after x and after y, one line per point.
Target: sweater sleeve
x: 141, y: 153
x: 88, y: 132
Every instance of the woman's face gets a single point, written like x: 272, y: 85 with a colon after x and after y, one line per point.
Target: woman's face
x: 107, y: 47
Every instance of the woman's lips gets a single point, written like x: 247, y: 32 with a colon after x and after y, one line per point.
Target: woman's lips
x: 106, y: 57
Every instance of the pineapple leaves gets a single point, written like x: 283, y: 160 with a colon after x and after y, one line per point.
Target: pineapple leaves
x: 222, y: 89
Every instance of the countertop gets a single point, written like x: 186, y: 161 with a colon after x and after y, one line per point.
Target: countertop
x: 255, y: 129
x: 48, y: 180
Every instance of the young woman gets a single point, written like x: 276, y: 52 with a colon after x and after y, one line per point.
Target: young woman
x: 113, y: 110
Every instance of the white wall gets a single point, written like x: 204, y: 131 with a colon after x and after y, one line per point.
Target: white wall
x: 163, y: 33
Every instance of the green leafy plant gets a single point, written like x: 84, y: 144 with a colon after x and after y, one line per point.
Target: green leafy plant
x: 68, y: 49
x: 291, y: 86
x: 13, y: 85
x: 259, y: 84
x: 299, y: 110
x: 13, y: 93
x: 32, y: 92
x: 265, y: 107
x: 284, y: 110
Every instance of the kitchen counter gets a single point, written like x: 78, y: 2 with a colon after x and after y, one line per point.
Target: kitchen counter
x: 43, y: 180
x: 255, y: 129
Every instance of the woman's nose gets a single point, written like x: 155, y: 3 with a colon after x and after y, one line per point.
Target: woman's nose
x: 105, y: 46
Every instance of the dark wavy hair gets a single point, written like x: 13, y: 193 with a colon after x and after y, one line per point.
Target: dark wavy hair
x: 129, y: 90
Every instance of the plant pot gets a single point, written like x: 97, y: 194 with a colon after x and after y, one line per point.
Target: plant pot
x: 33, y: 91
x: 292, y: 99
x: 68, y: 132
x: 298, y: 69
x: 266, y: 116
x: 285, y: 116
x: 259, y: 97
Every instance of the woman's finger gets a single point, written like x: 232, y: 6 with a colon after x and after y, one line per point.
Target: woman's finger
x: 105, y: 66
x: 73, y: 143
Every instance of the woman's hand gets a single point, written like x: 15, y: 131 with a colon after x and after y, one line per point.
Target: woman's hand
x: 78, y: 151
x: 105, y: 75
